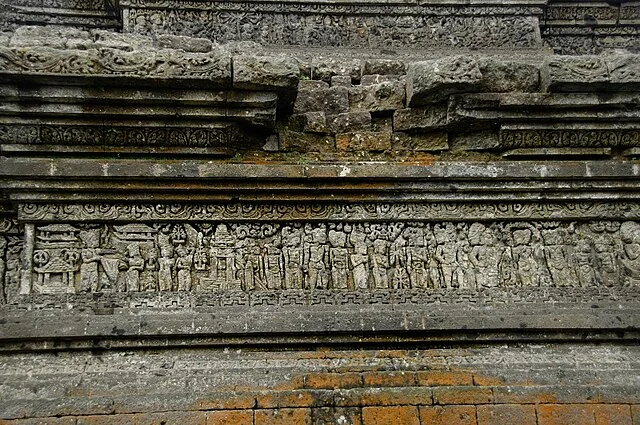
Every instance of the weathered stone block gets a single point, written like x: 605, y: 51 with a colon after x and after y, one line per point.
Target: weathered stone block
x: 500, y: 76
x: 47, y: 36
x: 433, y: 81
x: 565, y: 414
x: 188, y: 44
x: 333, y: 380
x: 420, y: 119
x: 336, y: 415
x: 225, y: 417
x: 624, y: 71
x: 407, y: 415
x: 462, y: 395
x: 332, y: 100
x: 612, y: 414
x: 310, y: 85
x: 434, y: 141
x: 385, y: 96
x: 506, y: 414
x: 574, y: 73
x: 118, y: 41
x: 388, y: 379
x: 265, y: 72
x: 282, y: 416
x: 349, y: 122
x: 481, y: 140
x: 306, y: 142
x: 371, y: 79
x: 313, y: 122
x: 384, y: 67
x: 432, y: 378
x: 325, y: 68
x: 444, y: 415
x: 363, y: 141
x: 341, y: 80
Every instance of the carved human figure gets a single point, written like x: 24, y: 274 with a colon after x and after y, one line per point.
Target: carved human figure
x: 558, y: 257
x: 184, y: 262
x: 253, y: 268
x: 446, y: 254
x: 465, y: 272
x: 606, y: 255
x: 584, y: 261
x: 292, y: 252
x: 149, y: 276
x: 136, y: 265
x: 523, y: 257
x: 380, y: 263
x: 507, y: 267
x: 543, y: 275
x: 417, y: 258
x: 90, y: 256
x: 273, y: 265
x: 398, y: 262
x: 317, y: 259
x: 166, y: 264
x: 339, y: 259
x: 485, y: 258
x: 630, y: 256
x: 359, y: 258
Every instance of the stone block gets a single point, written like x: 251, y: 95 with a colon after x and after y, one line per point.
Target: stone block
x: 500, y: 76
x: 462, y: 395
x: 306, y: 142
x: 445, y: 415
x: 498, y: 414
x: 624, y: 71
x: 433, y: 141
x: 183, y: 418
x: 612, y: 414
x: 341, y: 80
x: 333, y: 380
x: 388, y: 379
x: 225, y: 417
x: 265, y: 72
x: 188, y: 44
x: 294, y: 398
x: 433, y: 378
x: 389, y: 396
x: 66, y: 420
x: 478, y: 141
x: 434, y: 81
x: 312, y: 122
x: 336, y: 416
x: 349, y: 122
x: 420, y: 118
x: 368, y: 80
x: 574, y: 73
x: 383, y: 67
x: 332, y: 100
x: 325, y: 68
x: 118, y: 41
x: 385, y: 96
x: 363, y: 141
x: 565, y: 414
x: 311, y: 85
x: 392, y: 415
x: 46, y: 36
x: 282, y: 417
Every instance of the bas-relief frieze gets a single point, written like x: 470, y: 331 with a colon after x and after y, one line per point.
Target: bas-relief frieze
x: 340, y: 28
x: 568, y: 138
x: 336, y: 256
x: 11, y: 242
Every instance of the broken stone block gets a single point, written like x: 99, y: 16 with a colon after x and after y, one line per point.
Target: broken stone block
x: 574, y: 73
x: 508, y: 76
x: 433, y: 81
x: 126, y: 42
x: 434, y: 141
x: 325, y: 68
x: 48, y: 36
x: 306, y: 142
x: 477, y: 141
x: 624, y: 71
x: 331, y: 100
x: 313, y: 122
x: 188, y: 44
x: 349, y: 122
x: 341, y: 80
x: 265, y: 72
x: 420, y: 119
x: 368, y: 80
x: 385, y: 96
x: 312, y: 85
x: 384, y: 67
x: 363, y: 141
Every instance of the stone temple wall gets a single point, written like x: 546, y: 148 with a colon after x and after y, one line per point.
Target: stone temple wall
x: 315, y: 212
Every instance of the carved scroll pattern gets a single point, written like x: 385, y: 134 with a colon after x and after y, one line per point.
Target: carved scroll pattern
x: 341, y: 256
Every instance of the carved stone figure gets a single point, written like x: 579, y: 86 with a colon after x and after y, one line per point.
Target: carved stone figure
x: 273, y: 266
x: 523, y: 257
x: 485, y: 257
x: 359, y: 258
x: 584, y: 261
x: 136, y: 265
x: 398, y: 262
x: 380, y: 264
x: 606, y: 255
x: 465, y: 273
x: 166, y: 265
x: 339, y: 259
x: 630, y: 257
x: 417, y: 258
x: 184, y: 262
x: 253, y: 268
x: 89, y: 279
x: 149, y: 276
x: 446, y: 254
x: 3, y: 268
x: 293, y: 258
x: 317, y: 261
